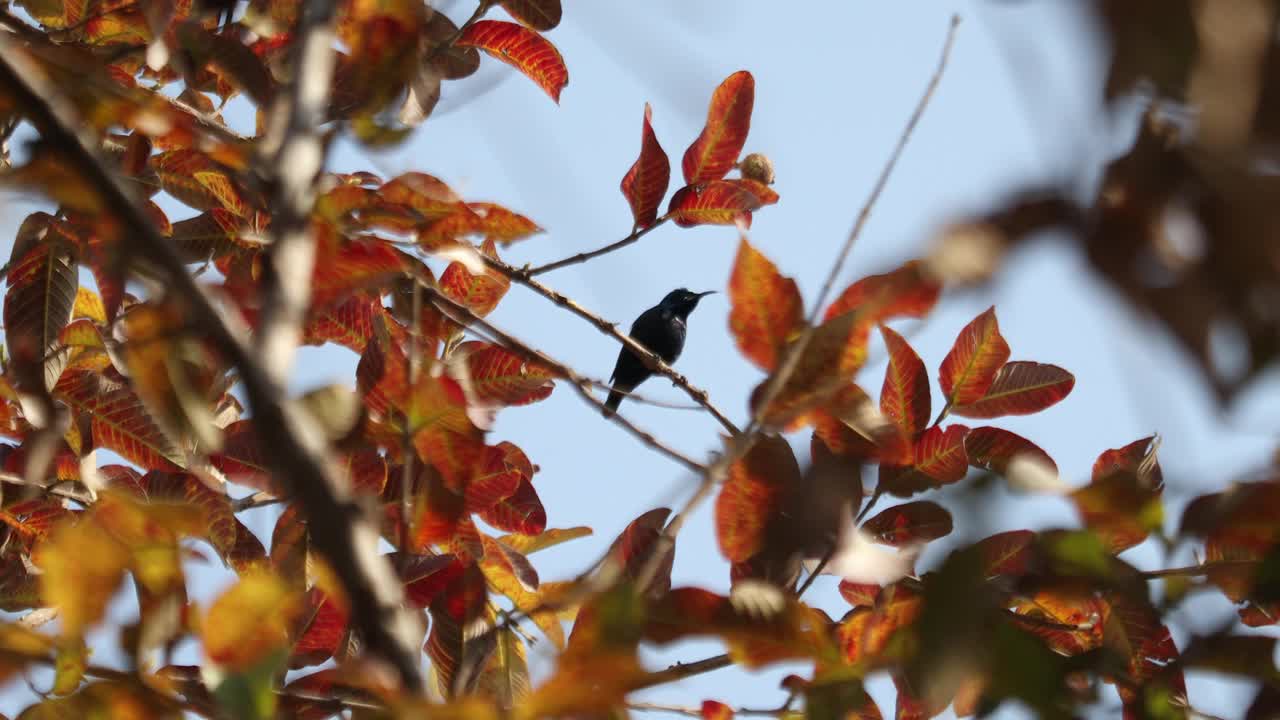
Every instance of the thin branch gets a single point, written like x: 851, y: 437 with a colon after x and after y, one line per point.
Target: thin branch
x: 339, y: 532
x: 463, y: 315
x: 1197, y: 570
x: 585, y: 256
x: 680, y: 671
x: 697, y: 712
x: 652, y: 361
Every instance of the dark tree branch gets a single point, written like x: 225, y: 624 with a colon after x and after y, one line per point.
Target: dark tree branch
x: 339, y: 531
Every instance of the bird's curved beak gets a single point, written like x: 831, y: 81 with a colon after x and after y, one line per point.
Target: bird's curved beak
x: 704, y: 294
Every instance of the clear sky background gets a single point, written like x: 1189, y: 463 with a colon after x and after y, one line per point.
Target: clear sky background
x: 835, y: 83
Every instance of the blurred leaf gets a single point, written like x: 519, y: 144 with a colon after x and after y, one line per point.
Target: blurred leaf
x: 646, y: 181
x: 548, y: 538
x: 82, y: 567
x: 250, y: 622
x: 995, y: 449
x: 766, y: 308
x: 118, y: 420
x: 751, y: 496
x: 909, y: 523
x: 480, y: 293
x: 716, y: 150
x: 39, y: 301
x: 907, y: 291
x: 540, y: 15
x: 1122, y: 501
x: 523, y: 49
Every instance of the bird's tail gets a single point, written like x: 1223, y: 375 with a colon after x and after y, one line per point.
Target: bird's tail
x: 611, y: 404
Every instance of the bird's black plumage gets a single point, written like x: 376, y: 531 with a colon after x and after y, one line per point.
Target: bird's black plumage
x: 661, y: 329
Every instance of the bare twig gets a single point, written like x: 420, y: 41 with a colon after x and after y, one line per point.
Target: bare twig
x: 585, y: 256
x: 339, y: 532
x: 652, y: 361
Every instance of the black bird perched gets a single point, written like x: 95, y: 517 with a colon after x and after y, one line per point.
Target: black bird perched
x: 661, y: 330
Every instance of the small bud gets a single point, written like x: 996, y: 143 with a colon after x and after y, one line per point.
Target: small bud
x: 758, y: 167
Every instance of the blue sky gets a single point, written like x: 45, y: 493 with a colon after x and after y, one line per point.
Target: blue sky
x: 1019, y: 104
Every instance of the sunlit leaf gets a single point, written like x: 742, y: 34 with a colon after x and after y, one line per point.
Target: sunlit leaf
x: 939, y: 460
x: 522, y: 512
x: 523, y: 49
x: 39, y: 301
x: 646, y: 181
x: 478, y: 292
x: 970, y: 367
x: 715, y: 202
x: 1020, y: 388
x: 995, y: 449
x: 907, y: 291
x: 751, y: 495
x: 717, y: 148
x: 904, y: 399
x: 766, y: 308
x: 82, y: 567
x: 548, y: 538
x: 249, y: 621
x: 501, y: 377
x: 118, y: 420
x: 195, y: 179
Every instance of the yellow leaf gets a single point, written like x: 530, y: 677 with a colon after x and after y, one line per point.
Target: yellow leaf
x: 249, y: 621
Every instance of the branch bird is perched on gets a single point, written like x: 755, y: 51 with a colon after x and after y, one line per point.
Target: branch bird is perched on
x: 661, y: 330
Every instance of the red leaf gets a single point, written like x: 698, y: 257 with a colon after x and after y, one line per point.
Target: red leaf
x: 904, y: 292
x: 241, y: 459
x: 324, y: 630
x: 495, y: 481
x: 498, y: 223
x: 992, y: 448
x: 349, y: 323
x: 751, y: 496
x: 501, y: 377
x: 1066, y: 605
x: 859, y: 594
x: 118, y: 420
x: 904, y: 399
x: 647, y: 180
x: 766, y: 308
x: 1121, y: 504
x: 1007, y: 553
x: 909, y: 523
x: 425, y: 576
x: 634, y: 547
x: 522, y: 512
x: 523, y: 49
x: 540, y: 15
x: 350, y: 266
x: 1020, y: 388
x: 715, y: 710
x: 195, y: 179
x: 971, y: 366
x: 728, y: 121
x: 716, y: 202
x: 939, y: 460
x: 480, y: 293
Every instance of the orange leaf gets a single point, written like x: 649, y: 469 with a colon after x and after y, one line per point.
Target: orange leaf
x: 494, y: 482
x: 344, y: 267
x: 501, y: 377
x: 194, y: 179
x: 909, y: 523
x: 523, y: 49
x: 498, y: 223
x: 647, y: 180
x: 904, y: 292
x: 939, y: 460
x: 633, y: 549
x: 540, y: 15
x: 323, y: 632
x: 82, y: 566
x: 728, y: 121
x: 970, y: 367
x: 521, y: 512
x: 751, y: 496
x: 834, y: 352
x: 904, y: 399
x: 1065, y: 604
x: 716, y: 202
x: 426, y: 194
x: 766, y: 307
x: 1020, y: 388
x: 859, y: 594
x: 350, y: 323
x: 249, y: 621
x: 118, y: 420
x: 480, y: 293
x: 715, y: 710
